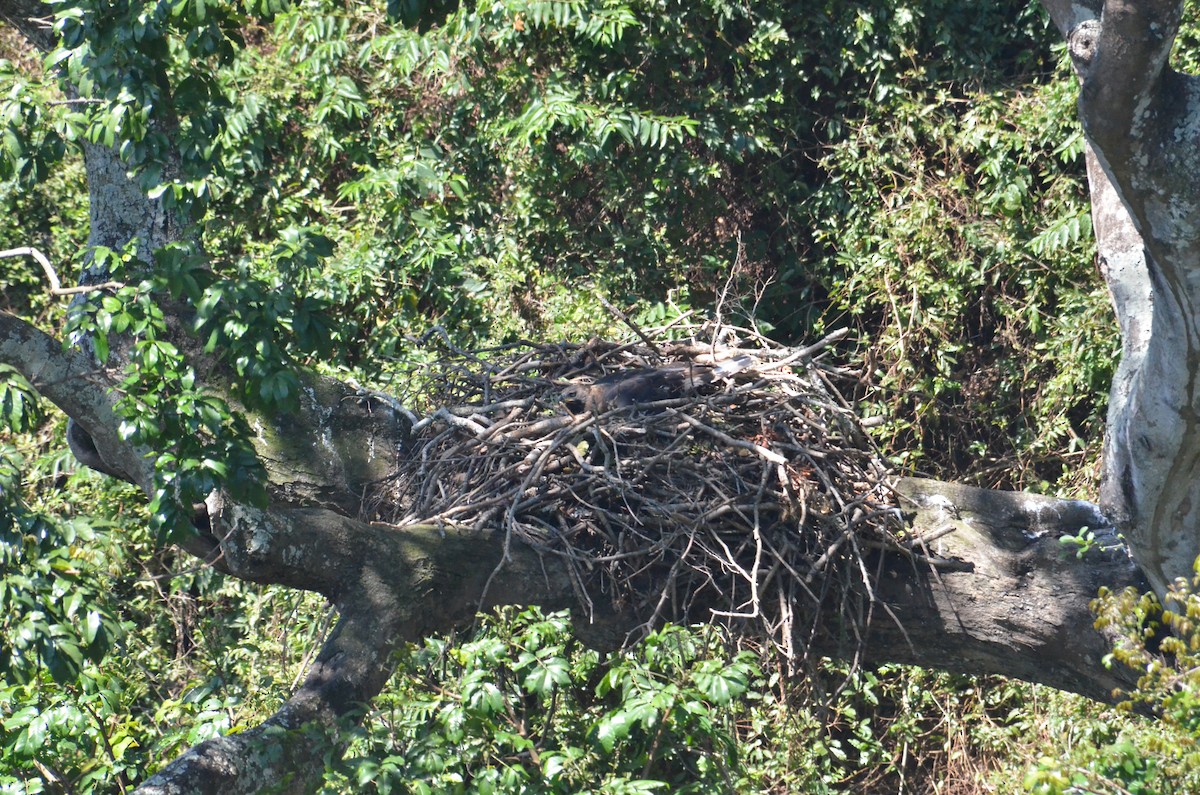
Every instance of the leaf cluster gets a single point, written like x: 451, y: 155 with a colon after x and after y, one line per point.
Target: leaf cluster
x: 1163, y: 643
x: 524, y: 708
x: 53, y: 610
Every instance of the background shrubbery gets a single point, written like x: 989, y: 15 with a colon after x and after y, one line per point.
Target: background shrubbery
x: 910, y: 169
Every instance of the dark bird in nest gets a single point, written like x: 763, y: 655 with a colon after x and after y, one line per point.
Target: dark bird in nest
x: 637, y: 387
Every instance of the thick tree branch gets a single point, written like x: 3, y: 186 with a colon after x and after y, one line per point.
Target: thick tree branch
x: 71, y: 380
x: 1122, y: 259
x: 1141, y: 118
x: 993, y: 592
x: 1126, y: 71
x: 392, y: 585
x: 287, y: 753
x: 1121, y: 256
x: 1021, y: 604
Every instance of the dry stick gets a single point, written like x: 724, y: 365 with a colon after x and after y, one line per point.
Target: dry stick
x: 440, y: 332
x: 888, y: 608
x: 756, y: 529
x: 510, y: 519
x: 570, y: 553
x: 669, y: 586
x: 771, y: 456
x: 530, y: 361
x: 819, y: 565
x: 469, y: 411
x: 549, y: 424
x: 807, y: 351
x: 576, y: 579
x: 617, y: 313
x: 56, y: 287
x: 730, y: 561
x: 787, y: 627
x: 873, y: 600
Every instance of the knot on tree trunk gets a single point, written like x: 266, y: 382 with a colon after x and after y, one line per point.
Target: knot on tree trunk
x: 1081, y: 43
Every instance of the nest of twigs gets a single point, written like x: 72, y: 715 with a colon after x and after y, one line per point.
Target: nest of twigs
x: 750, y: 499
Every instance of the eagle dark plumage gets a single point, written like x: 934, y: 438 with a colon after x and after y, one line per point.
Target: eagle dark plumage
x: 629, y: 388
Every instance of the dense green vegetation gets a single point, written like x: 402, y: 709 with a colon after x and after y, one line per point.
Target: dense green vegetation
x: 495, y: 169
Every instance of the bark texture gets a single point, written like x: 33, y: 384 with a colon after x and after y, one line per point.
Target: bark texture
x: 1142, y: 119
x: 1000, y: 591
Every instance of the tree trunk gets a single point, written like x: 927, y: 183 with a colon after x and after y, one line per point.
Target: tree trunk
x: 1141, y: 119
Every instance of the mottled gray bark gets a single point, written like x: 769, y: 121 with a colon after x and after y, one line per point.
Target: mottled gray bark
x: 72, y: 381
x: 1121, y: 256
x: 1142, y: 119
x: 1003, y: 593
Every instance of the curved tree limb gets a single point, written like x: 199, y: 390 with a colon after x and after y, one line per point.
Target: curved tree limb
x: 1141, y: 119
x: 56, y: 287
x: 71, y: 380
x: 1121, y: 256
x: 1126, y: 72
x: 391, y: 585
x: 991, y: 592
x: 287, y: 753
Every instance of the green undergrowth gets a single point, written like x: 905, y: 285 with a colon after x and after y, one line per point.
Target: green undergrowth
x: 518, y: 703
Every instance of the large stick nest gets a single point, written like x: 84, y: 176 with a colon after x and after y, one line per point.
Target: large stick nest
x: 750, y: 498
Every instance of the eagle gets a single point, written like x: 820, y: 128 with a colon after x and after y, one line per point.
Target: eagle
x: 637, y: 387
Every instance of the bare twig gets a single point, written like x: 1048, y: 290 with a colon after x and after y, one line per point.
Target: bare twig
x: 624, y: 318
x: 56, y: 287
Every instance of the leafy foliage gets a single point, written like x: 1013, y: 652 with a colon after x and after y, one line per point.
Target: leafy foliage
x: 1162, y: 643
x: 523, y: 708
x: 53, y: 610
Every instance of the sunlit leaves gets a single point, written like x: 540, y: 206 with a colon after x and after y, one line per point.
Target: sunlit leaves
x: 523, y: 705
x: 53, y: 615
x: 541, y: 116
x: 19, y: 408
x: 29, y: 146
x: 145, y: 67
x: 201, y: 442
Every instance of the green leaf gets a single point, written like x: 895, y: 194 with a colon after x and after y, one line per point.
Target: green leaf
x: 613, y: 728
x: 91, y: 626
x: 547, y: 674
